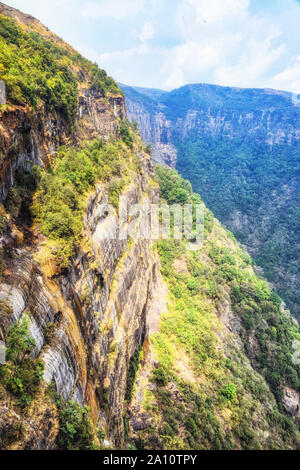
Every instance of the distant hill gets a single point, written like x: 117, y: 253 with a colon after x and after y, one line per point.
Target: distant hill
x: 240, y: 148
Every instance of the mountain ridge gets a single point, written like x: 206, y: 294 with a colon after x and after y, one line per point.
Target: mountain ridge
x: 115, y: 343
x: 213, y: 109
x: 207, y: 132
x: 159, y: 91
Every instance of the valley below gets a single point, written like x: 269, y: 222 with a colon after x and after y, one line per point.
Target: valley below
x: 135, y: 343
x: 240, y: 150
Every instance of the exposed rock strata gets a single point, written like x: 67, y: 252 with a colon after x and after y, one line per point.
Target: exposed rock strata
x: 97, y: 308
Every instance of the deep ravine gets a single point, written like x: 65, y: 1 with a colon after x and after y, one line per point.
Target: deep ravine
x: 116, y: 343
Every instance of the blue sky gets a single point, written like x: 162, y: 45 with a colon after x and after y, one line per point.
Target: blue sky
x: 168, y: 43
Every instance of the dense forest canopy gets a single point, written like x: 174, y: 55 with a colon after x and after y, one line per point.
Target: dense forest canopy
x: 254, y: 190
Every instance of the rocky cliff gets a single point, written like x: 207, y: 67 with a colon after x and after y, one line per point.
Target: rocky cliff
x: 113, y: 342
x: 96, y: 308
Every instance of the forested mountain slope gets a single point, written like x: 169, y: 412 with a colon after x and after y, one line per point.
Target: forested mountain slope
x: 116, y: 343
x: 220, y: 359
x: 240, y: 148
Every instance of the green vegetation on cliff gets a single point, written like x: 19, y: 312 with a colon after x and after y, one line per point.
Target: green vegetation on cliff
x: 35, y: 68
x: 75, y: 427
x: 60, y: 198
x: 224, y: 347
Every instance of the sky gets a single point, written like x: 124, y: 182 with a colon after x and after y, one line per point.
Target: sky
x: 169, y: 43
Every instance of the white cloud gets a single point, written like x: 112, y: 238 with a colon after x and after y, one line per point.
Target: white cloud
x: 255, y: 62
x: 185, y: 59
x: 118, y: 60
x: 146, y: 33
x: 121, y: 55
x: 246, y: 43
x: 117, y: 9
x: 222, y: 43
x: 288, y: 79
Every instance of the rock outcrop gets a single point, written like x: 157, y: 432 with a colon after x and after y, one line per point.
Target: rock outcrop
x: 291, y: 402
x: 28, y: 138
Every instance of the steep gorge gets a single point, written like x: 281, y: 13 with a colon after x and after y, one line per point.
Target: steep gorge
x: 167, y: 348
x: 240, y: 150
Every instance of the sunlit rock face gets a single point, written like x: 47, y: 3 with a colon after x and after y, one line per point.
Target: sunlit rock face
x: 88, y: 319
x: 98, y: 306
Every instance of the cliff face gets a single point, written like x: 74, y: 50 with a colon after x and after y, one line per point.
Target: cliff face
x: 249, y: 115
x: 134, y: 346
x: 96, y: 309
x: 155, y: 129
x: 31, y: 138
x: 98, y: 323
